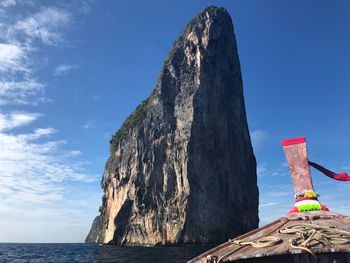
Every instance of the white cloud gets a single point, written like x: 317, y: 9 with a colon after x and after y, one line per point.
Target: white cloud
x: 19, y: 86
x: 264, y: 171
x: 20, y: 92
x: 7, y: 3
x: 42, y: 181
x: 88, y: 125
x: 275, y: 201
x: 64, y: 69
x: 17, y: 52
x: 12, y: 58
x: 38, y: 133
x: 258, y: 136
x: 73, y: 153
x: 60, y: 221
x: 16, y: 119
x: 260, y: 170
x: 32, y: 168
x: 269, y: 204
x: 44, y: 26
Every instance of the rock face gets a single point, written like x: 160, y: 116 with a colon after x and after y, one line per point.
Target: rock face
x: 182, y: 168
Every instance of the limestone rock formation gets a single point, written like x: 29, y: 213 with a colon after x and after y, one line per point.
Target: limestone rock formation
x: 182, y: 168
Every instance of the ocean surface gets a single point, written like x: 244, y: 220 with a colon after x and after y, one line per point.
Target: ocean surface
x: 45, y: 253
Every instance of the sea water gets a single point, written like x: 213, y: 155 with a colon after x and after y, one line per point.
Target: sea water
x: 62, y: 253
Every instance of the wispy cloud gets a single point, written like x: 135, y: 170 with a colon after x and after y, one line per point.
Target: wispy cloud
x: 19, y: 43
x: 39, y: 172
x: 269, y: 204
x: 21, y: 92
x: 10, y: 3
x: 64, y: 69
x: 7, y: 3
x: 264, y: 170
x: 43, y: 26
x: 258, y: 136
x: 16, y: 119
x: 33, y: 166
x: 12, y: 57
x: 275, y: 201
x: 73, y: 153
x: 260, y: 170
x: 89, y: 125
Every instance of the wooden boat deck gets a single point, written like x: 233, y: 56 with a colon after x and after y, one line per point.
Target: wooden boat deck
x: 231, y: 252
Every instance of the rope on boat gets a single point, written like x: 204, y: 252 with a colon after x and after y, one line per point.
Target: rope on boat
x: 309, y: 235
x: 260, y: 243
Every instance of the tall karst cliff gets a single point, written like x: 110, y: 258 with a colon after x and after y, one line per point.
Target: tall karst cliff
x: 182, y: 168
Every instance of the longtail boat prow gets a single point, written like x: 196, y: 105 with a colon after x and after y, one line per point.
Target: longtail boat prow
x: 308, y: 233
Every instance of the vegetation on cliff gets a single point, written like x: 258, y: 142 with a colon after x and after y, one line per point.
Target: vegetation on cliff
x: 133, y: 120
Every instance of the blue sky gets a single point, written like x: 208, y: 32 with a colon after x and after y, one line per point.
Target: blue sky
x: 70, y: 73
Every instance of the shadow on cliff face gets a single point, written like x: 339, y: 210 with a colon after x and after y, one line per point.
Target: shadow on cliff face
x: 121, y: 221
x: 224, y: 197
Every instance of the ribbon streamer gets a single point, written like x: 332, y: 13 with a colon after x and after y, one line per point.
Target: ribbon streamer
x: 329, y: 173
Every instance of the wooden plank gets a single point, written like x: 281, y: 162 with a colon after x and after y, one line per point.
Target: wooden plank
x: 320, y: 218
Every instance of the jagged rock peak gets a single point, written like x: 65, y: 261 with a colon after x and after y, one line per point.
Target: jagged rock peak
x: 211, y: 23
x: 182, y: 168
